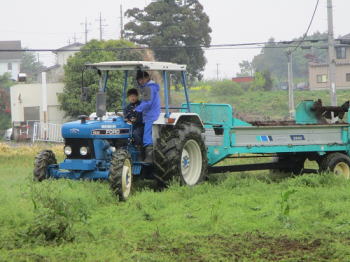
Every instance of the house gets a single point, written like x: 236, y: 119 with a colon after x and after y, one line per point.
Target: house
x: 318, y: 72
x: 55, y: 73
x: 27, y: 103
x: 10, y: 61
x: 29, y: 106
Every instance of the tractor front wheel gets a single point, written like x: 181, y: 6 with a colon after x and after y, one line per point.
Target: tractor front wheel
x: 42, y: 161
x: 337, y: 163
x: 120, y: 174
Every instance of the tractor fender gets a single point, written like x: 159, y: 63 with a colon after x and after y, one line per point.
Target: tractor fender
x: 178, y: 118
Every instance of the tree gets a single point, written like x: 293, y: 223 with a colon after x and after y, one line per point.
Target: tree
x: 259, y: 81
x: 71, y: 98
x: 31, y: 66
x: 5, y: 113
x: 174, y: 23
x: 268, y: 86
x: 247, y: 68
x: 273, y: 57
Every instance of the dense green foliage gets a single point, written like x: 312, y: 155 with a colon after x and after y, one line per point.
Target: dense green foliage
x: 241, y: 217
x: 31, y: 66
x: 71, y: 99
x: 5, y: 114
x: 172, y: 23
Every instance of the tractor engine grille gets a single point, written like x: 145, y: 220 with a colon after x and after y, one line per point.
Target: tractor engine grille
x: 76, y: 144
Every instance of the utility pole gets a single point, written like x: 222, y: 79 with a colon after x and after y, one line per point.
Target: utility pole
x: 75, y: 38
x: 86, y: 30
x: 331, y: 54
x: 121, y: 22
x: 101, y: 26
x: 290, y: 85
x: 217, y: 71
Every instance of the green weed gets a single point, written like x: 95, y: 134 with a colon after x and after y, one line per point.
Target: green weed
x: 234, y: 217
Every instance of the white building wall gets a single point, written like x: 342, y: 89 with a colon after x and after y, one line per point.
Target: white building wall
x: 30, y: 95
x: 16, y: 66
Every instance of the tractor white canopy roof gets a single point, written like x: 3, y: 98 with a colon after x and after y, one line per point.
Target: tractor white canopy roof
x: 137, y: 65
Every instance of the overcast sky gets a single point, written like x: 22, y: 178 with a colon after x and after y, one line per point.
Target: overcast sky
x: 50, y: 24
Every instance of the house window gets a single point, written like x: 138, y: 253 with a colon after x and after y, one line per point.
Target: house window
x: 322, y: 78
x: 9, y: 66
x: 341, y: 52
x: 347, y: 77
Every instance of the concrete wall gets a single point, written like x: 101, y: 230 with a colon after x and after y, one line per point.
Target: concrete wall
x: 16, y: 67
x: 29, y: 95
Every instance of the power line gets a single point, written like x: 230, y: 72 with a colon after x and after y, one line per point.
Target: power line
x: 280, y: 44
x: 309, y: 26
x: 290, y: 65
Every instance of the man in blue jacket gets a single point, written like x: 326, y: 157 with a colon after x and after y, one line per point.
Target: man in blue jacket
x: 150, y: 109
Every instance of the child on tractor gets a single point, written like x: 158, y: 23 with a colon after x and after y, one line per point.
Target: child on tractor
x: 134, y: 118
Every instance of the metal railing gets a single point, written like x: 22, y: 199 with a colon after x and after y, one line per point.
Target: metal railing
x: 47, y: 132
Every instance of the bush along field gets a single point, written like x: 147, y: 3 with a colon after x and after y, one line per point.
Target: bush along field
x: 231, y: 217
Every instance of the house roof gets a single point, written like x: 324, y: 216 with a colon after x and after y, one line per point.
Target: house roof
x: 51, y: 68
x: 10, y: 45
x: 76, y: 45
x: 345, y: 39
x: 345, y: 36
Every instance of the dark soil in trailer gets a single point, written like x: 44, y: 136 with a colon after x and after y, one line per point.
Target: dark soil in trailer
x: 290, y: 123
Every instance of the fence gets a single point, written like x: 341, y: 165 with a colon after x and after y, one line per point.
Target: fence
x: 47, y: 132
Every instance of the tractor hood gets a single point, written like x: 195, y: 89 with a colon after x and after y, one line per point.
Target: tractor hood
x: 106, y: 129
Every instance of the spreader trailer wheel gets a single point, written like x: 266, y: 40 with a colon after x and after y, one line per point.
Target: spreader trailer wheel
x: 338, y: 163
x: 42, y: 161
x: 120, y: 174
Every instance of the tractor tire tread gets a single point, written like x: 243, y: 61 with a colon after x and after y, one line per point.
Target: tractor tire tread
x: 42, y: 161
x: 116, y: 172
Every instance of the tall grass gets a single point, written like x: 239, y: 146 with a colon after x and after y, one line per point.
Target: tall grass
x: 234, y: 217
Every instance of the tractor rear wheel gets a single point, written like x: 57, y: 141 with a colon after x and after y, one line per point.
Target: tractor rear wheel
x: 338, y: 163
x: 180, y: 153
x: 42, y: 161
x: 120, y: 174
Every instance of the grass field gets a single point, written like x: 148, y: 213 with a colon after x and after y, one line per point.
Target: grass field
x: 237, y: 217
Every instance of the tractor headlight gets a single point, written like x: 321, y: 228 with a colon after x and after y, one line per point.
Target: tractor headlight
x: 67, y: 150
x: 84, y: 150
x: 113, y: 149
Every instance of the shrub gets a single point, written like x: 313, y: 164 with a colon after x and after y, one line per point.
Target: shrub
x: 226, y: 88
x: 54, y: 214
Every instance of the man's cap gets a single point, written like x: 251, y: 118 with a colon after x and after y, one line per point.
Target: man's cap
x: 132, y: 91
x: 141, y: 74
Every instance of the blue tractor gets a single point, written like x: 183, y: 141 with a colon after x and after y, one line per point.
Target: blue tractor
x: 102, y: 147
x: 190, y: 140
